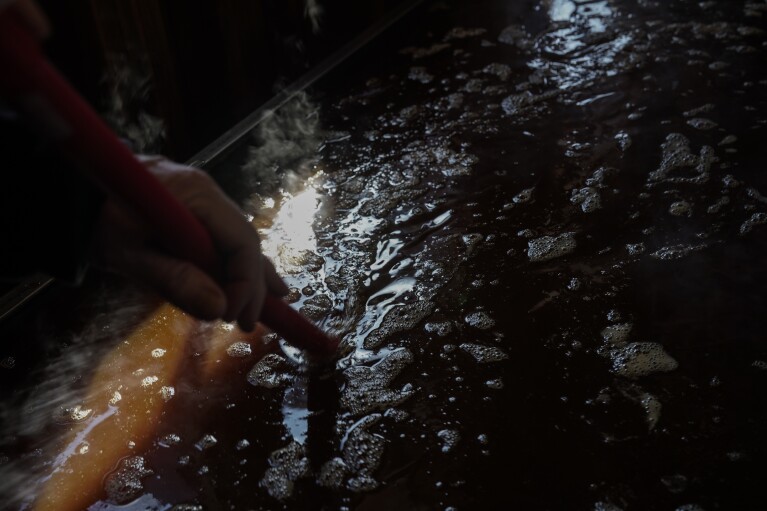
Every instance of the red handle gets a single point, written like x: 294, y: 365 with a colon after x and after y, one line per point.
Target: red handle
x: 30, y: 81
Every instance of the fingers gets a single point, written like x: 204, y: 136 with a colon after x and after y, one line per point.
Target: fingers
x: 271, y: 283
x: 243, y: 277
x: 179, y: 282
x: 274, y: 282
x: 33, y: 17
x: 251, y: 314
x: 247, y: 275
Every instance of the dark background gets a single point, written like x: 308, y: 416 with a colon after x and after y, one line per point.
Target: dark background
x: 208, y: 63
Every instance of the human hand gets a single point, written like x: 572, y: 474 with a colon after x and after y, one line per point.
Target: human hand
x: 33, y: 16
x: 124, y: 244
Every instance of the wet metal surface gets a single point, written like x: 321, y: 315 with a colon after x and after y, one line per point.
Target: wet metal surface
x: 538, y: 227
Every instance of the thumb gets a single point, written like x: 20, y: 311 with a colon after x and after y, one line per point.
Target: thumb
x: 179, y: 282
x: 274, y: 283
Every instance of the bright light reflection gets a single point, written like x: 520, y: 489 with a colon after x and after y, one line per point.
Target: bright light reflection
x: 292, y: 231
x: 561, y: 10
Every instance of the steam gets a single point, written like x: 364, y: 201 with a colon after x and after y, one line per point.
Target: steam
x: 129, y: 90
x: 285, y: 143
x: 314, y: 12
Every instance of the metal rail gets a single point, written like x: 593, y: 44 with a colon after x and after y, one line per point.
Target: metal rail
x: 242, y: 129
x: 26, y: 290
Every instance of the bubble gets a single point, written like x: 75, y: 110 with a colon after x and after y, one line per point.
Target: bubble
x: 363, y: 453
x: 548, y: 247
x: 294, y: 294
x: 441, y: 328
x: 617, y: 334
x: 242, y: 444
x: 624, y: 140
x: 482, y: 439
x: 680, y: 208
x: 167, y: 393
x: 238, y: 350
x: 399, y: 319
x: 366, y: 388
x: 516, y: 104
x: 753, y: 193
x: 730, y: 182
x: 408, y: 113
x: 677, y: 157
x: 597, y: 179
x: 574, y: 284
x: 124, y: 484
x: 708, y: 107
x: 496, y: 384
x: 158, y: 353
x: 473, y: 85
x: 450, y: 438
x: 454, y: 101
x: 502, y: 71
x: 635, y: 248
x: 641, y: 359
x: 690, y: 507
x: 700, y: 123
x: 747, y: 31
x: 419, y: 74
x: 286, y: 466
x: 8, y: 363
x: 206, y: 442
x: 652, y: 407
x: 606, y: 506
x: 116, y: 397
x: 317, y: 306
x: 149, y: 381
x: 169, y: 440
x: 270, y: 372
x: 480, y: 320
x: 484, y: 354
x: 588, y: 198
x: 674, y: 252
x: 524, y: 196
x: 396, y: 414
x: 756, y: 219
x: 463, y: 33
x: 333, y: 474
x: 437, y: 156
x: 419, y: 53
x: 472, y: 241
x: 362, y: 483
x: 73, y: 414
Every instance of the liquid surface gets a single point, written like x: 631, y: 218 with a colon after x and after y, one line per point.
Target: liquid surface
x: 538, y: 227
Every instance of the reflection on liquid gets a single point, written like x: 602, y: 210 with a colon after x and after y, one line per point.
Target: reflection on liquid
x: 561, y: 10
x: 292, y: 233
x: 634, y: 342
x: 295, y: 409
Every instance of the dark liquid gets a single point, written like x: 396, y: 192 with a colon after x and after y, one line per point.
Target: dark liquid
x: 491, y: 202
